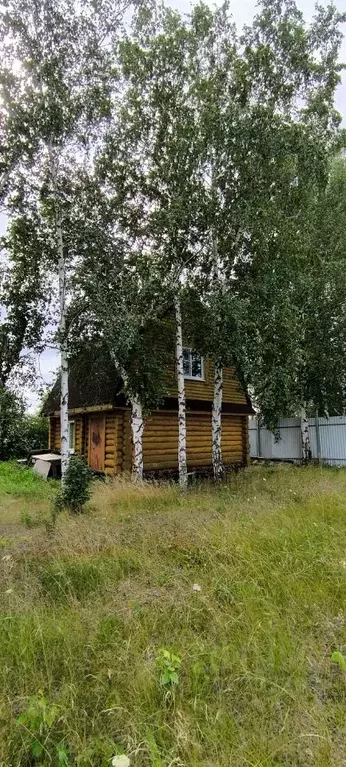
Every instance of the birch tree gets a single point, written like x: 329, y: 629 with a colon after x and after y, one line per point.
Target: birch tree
x: 23, y: 298
x: 269, y: 137
x: 253, y: 175
x: 296, y: 87
x: 322, y: 301
x: 23, y: 308
x: 294, y: 347
x: 150, y: 160
x: 182, y: 457
x: 127, y: 305
x: 326, y: 334
x: 118, y: 299
x: 55, y: 71
x: 212, y: 171
x: 220, y: 105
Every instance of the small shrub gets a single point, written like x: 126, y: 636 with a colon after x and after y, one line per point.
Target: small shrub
x: 168, y: 665
x: 76, y: 489
x: 338, y: 658
x: 38, y: 723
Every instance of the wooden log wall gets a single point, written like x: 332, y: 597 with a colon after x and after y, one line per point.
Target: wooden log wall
x: 160, y: 440
x: 85, y: 448
x: 127, y: 441
x: 110, y: 444
x: 204, y: 390
x: 118, y: 447
x: 233, y: 443
x: 54, y: 433
x: 78, y: 435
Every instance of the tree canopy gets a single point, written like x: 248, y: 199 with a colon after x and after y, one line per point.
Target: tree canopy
x: 153, y: 162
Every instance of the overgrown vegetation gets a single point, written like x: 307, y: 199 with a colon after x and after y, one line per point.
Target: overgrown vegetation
x: 19, y: 482
x: 20, y: 432
x: 211, y: 179
x: 75, y: 491
x: 201, y: 630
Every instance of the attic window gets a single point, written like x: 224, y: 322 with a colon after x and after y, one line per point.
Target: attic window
x: 193, y: 365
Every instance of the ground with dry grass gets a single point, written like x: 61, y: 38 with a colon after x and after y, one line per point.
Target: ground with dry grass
x: 244, y: 584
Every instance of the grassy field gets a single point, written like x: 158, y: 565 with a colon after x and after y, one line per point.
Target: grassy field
x: 244, y: 586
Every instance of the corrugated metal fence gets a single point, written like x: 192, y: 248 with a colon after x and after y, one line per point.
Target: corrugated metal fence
x: 327, y: 439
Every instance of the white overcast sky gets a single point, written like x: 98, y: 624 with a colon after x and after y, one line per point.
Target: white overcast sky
x: 243, y: 12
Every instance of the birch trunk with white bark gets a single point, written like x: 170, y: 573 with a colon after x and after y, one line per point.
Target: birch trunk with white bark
x: 305, y: 436
x: 182, y: 460
x: 137, y: 425
x: 63, y: 345
x: 216, y: 423
x: 216, y: 418
x: 64, y: 446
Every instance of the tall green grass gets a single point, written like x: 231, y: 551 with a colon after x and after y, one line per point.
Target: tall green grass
x: 246, y: 584
x: 22, y: 482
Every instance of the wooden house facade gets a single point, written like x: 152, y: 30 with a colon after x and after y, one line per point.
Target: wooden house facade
x: 100, y: 425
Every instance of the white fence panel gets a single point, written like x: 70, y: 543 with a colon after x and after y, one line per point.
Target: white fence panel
x: 314, y: 433
x: 327, y: 439
x: 253, y: 437
x: 333, y: 439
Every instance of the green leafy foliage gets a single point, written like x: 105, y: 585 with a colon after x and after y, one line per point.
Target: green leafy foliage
x: 338, y: 658
x: 295, y: 338
x: 217, y: 168
x: 11, y: 421
x: 35, y: 433
x: 75, y: 491
x: 168, y: 665
x: 38, y: 722
x: 185, y: 158
x: 23, y: 295
x: 53, y: 105
x: 20, y: 433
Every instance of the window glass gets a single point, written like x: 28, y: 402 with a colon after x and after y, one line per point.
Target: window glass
x: 196, y: 365
x: 193, y: 364
x: 71, y: 435
x: 187, y: 362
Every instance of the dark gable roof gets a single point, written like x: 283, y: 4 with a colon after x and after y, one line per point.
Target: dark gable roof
x: 93, y: 380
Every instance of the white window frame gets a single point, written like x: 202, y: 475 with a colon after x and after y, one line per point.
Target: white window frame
x: 191, y: 377
x: 72, y: 449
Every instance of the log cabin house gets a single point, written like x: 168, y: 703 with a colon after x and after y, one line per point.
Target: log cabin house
x: 100, y: 427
